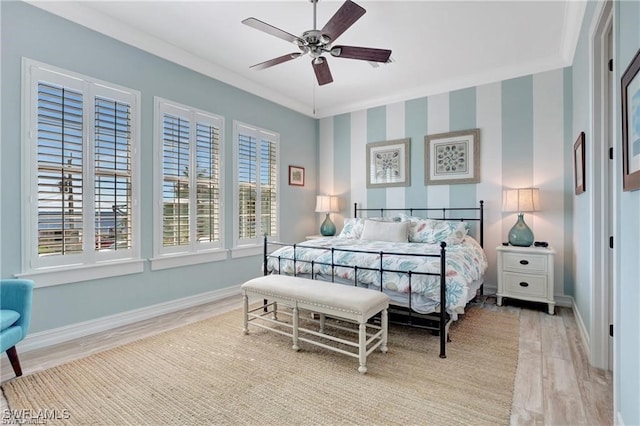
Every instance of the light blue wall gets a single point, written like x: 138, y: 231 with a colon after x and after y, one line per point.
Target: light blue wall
x: 30, y: 32
x: 582, y: 216
x: 627, y: 43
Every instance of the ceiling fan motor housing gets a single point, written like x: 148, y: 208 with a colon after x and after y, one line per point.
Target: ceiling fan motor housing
x: 315, y: 43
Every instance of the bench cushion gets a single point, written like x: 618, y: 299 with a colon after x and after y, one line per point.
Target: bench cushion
x: 321, y: 293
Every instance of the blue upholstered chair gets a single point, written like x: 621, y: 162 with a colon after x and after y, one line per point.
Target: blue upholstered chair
x: 15, y: 315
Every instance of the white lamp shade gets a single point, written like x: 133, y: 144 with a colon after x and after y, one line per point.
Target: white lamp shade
x: 327, y: 204
x: 521, y: 200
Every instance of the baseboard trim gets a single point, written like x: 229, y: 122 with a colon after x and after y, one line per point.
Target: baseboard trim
x: 63, y: 334
x: 564, y: 301
x: 619, y: 421
x: 583, y: 330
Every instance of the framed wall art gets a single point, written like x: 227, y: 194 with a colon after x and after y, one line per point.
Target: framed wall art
x: 388, y: 164
x: 296, y: 176
x: 452, y: 158
x: 631, y: 126
x: 578, y: 164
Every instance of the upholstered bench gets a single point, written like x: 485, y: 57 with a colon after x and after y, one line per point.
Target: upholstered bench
x: 326, y: 299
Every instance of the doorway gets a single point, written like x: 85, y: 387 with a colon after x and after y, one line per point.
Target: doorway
x: 604, y: 199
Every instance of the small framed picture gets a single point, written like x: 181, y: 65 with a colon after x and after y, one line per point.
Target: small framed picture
x: 452, y: 157
x: 631, y: 126
x: 296, y: 176
x: 578, y: 164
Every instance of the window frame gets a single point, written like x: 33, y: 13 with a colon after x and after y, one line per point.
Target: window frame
x: 195, y: 252
x: 253, y: 246
x: 90, y: 264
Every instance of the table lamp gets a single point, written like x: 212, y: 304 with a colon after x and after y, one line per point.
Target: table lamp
x: 327, y: 204
x: 521, y: 200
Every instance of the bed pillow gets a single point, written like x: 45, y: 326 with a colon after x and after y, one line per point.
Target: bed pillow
x: 385, y: 231
x: 352, y: 228
x: 386, y: 218
x: 459, y: 231
x: 431, y: 231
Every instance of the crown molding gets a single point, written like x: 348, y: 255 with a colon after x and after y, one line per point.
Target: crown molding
x: 96, y: 21
x: 87, y: 17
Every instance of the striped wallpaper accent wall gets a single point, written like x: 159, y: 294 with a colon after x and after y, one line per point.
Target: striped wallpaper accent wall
x: 376, y: 131
x: 524, y: 134
x: 437, y: 122
x: 395, y: 130
x: 415, y: 125
x: 462, y: 116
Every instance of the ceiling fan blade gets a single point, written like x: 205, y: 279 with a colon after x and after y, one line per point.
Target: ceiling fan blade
x: 321, y: 68
x: 276, y: 61
x: 362, y: 53
x: 346, y: 16
x: 270, y: 29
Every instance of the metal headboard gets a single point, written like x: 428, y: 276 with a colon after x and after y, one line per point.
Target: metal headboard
x: 439, y: 213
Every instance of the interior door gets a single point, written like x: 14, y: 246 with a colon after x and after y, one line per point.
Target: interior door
x: 610, y: 183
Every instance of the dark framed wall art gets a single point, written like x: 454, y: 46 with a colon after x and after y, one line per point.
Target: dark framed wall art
x: 296, y: 176
x: 578, y: 164
x: 631, y: 126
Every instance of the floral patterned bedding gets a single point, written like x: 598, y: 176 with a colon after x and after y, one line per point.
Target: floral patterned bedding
x: 466, y: 264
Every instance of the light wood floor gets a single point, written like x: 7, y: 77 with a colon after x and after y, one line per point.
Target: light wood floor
x: 554, y: 383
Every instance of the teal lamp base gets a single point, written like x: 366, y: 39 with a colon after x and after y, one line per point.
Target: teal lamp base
x: 520, y: 234
x: 328, y: 229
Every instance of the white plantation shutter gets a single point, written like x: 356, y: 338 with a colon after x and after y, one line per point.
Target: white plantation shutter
x: 191, y: 178
x: 268, y: 188
x: 175, y: 183
x: 207, y: 182
x: 113, y: 175
x: 80, y: 161
x: 256, y: 184
x: 60, y: 174
x: 247, y: 188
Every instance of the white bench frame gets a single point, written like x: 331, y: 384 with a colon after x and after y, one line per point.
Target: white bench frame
x: 367, y: 341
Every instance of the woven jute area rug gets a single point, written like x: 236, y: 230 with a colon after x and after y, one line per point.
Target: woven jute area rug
x: 210, y: 373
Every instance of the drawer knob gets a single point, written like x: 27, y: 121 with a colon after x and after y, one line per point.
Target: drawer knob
x: 524, y: 262
x: 524, y: 284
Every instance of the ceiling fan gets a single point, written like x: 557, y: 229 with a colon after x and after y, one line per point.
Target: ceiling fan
x: 316, y: 42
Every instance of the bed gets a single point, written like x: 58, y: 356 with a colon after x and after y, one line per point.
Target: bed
x: 418, y: 256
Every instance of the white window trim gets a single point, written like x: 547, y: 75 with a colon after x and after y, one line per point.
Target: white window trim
x: 248, y: 250
x: 47, y: 277
x: 173, y: 257
x: 91, y: 265
x: 187, y: 259
x: 251, y: 247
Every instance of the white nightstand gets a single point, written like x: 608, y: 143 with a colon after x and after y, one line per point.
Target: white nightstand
x: 313, y: 237
x: 526, y: 273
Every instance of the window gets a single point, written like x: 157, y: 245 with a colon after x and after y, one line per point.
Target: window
x: 188, y: 181
x: 256, y: 175
x: 80, y: 167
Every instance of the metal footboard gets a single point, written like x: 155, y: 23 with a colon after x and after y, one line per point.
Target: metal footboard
x: 438, y: 321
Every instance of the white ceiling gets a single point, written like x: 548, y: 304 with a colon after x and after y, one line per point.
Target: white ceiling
x: 437, y: 46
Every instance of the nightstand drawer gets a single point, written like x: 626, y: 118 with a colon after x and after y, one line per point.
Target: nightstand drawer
x: 525, y: 285
x: 529, y: 263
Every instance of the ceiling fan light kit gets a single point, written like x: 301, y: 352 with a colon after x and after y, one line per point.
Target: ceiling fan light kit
x: 316, y: 42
